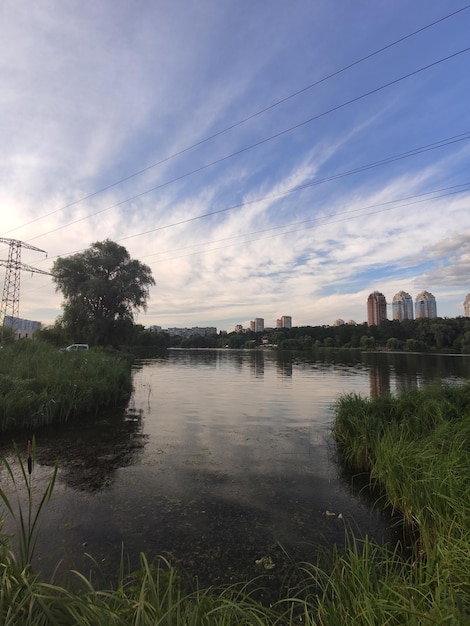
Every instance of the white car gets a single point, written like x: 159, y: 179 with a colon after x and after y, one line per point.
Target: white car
x: 77, y: 346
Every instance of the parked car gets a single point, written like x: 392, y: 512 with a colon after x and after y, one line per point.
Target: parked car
x: 77, y: 346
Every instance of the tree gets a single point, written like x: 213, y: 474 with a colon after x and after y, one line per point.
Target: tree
x: 103, y: 288
x: 55, y: 335
x: 394, y: 344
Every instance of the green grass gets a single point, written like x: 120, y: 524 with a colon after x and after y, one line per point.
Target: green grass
x: 40, y: 385
x: 416, y: 447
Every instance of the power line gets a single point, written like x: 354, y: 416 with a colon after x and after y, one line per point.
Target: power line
x: 394, y: 158
x: 261, y: 142
x: 452, y: 190
x: 328, y: 220
x: 248, y: 118
x: 433, y: 146
x: 456, y: 189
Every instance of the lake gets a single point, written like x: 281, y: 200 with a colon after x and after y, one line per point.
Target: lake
x: 221, y: 459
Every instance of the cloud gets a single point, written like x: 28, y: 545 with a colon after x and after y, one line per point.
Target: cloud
x: 92, y: 96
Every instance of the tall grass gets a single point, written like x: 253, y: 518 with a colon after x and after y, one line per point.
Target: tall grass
x: 40, y: 385
x: 416, y: 447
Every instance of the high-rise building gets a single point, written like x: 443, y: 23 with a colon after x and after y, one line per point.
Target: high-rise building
x: 257, y: 325
x: 425, y: 305
x: 466, y: 306
x: 402, y: 306
x: 284, y: 322
x: 376, y: 309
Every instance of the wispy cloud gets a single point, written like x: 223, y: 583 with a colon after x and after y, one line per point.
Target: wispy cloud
x: 91, y: 96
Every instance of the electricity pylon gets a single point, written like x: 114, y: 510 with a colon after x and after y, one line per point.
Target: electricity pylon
x: 11, y: 286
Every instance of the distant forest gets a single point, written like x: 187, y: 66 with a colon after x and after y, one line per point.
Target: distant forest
x: 421, y: 335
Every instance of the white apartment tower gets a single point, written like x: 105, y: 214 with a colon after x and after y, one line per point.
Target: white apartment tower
x: 402, y: 306
x: 425, y: 305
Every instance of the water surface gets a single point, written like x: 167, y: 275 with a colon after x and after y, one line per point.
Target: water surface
x: 221, y: 458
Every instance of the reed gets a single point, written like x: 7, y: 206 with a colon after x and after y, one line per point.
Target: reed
x: 40, y: 385
x: 27, y: 522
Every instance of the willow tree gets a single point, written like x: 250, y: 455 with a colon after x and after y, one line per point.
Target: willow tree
x: 103, y: 289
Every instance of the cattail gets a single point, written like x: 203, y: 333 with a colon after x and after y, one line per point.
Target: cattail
x: 30, y: 458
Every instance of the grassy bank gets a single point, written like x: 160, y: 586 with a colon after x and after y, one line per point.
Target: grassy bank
x: 40, y: 385
x: 416, y: 447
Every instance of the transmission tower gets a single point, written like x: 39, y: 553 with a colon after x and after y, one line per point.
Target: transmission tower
x: 11, y: 287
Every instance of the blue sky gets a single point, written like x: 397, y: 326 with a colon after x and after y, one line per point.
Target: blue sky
x: 263, y: 158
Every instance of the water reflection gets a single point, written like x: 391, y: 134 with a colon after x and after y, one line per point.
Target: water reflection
x: 257, y: 363
x: 395, y: 372
x: 379, y: 381
x: 90, y: 451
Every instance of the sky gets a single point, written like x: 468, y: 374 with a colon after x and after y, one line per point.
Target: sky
x: 263, y: 158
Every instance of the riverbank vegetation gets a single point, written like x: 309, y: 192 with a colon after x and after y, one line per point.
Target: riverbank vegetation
x: 415, y: 447
x: 41, y: 385
x: 451, y: 335
x: 422, y: 335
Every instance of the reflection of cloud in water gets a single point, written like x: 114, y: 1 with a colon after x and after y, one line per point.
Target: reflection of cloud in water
x: 263, y: 425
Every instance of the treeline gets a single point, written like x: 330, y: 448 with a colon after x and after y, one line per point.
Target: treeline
x: 421, y: 335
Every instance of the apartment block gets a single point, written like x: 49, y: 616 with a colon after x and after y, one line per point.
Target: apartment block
x: 376, y: 309
x: 21, y: 327
x: 284, y: 322
x: 402, y: 306
x: 257, y: 325
x: 425, y: 305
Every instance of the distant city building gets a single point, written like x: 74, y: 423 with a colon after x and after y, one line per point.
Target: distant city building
x: 425, y: 305
x: 257, y: 325
x: 238, y: 328
x: 466, y: 306
x: 351, y: 323
x: 284, y: 322
x: 22, y: 328
x: 338, y: 322
x: 376, y: 309
x: 402, y: 306
x: 189, y: 332
x: 154, y: 328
